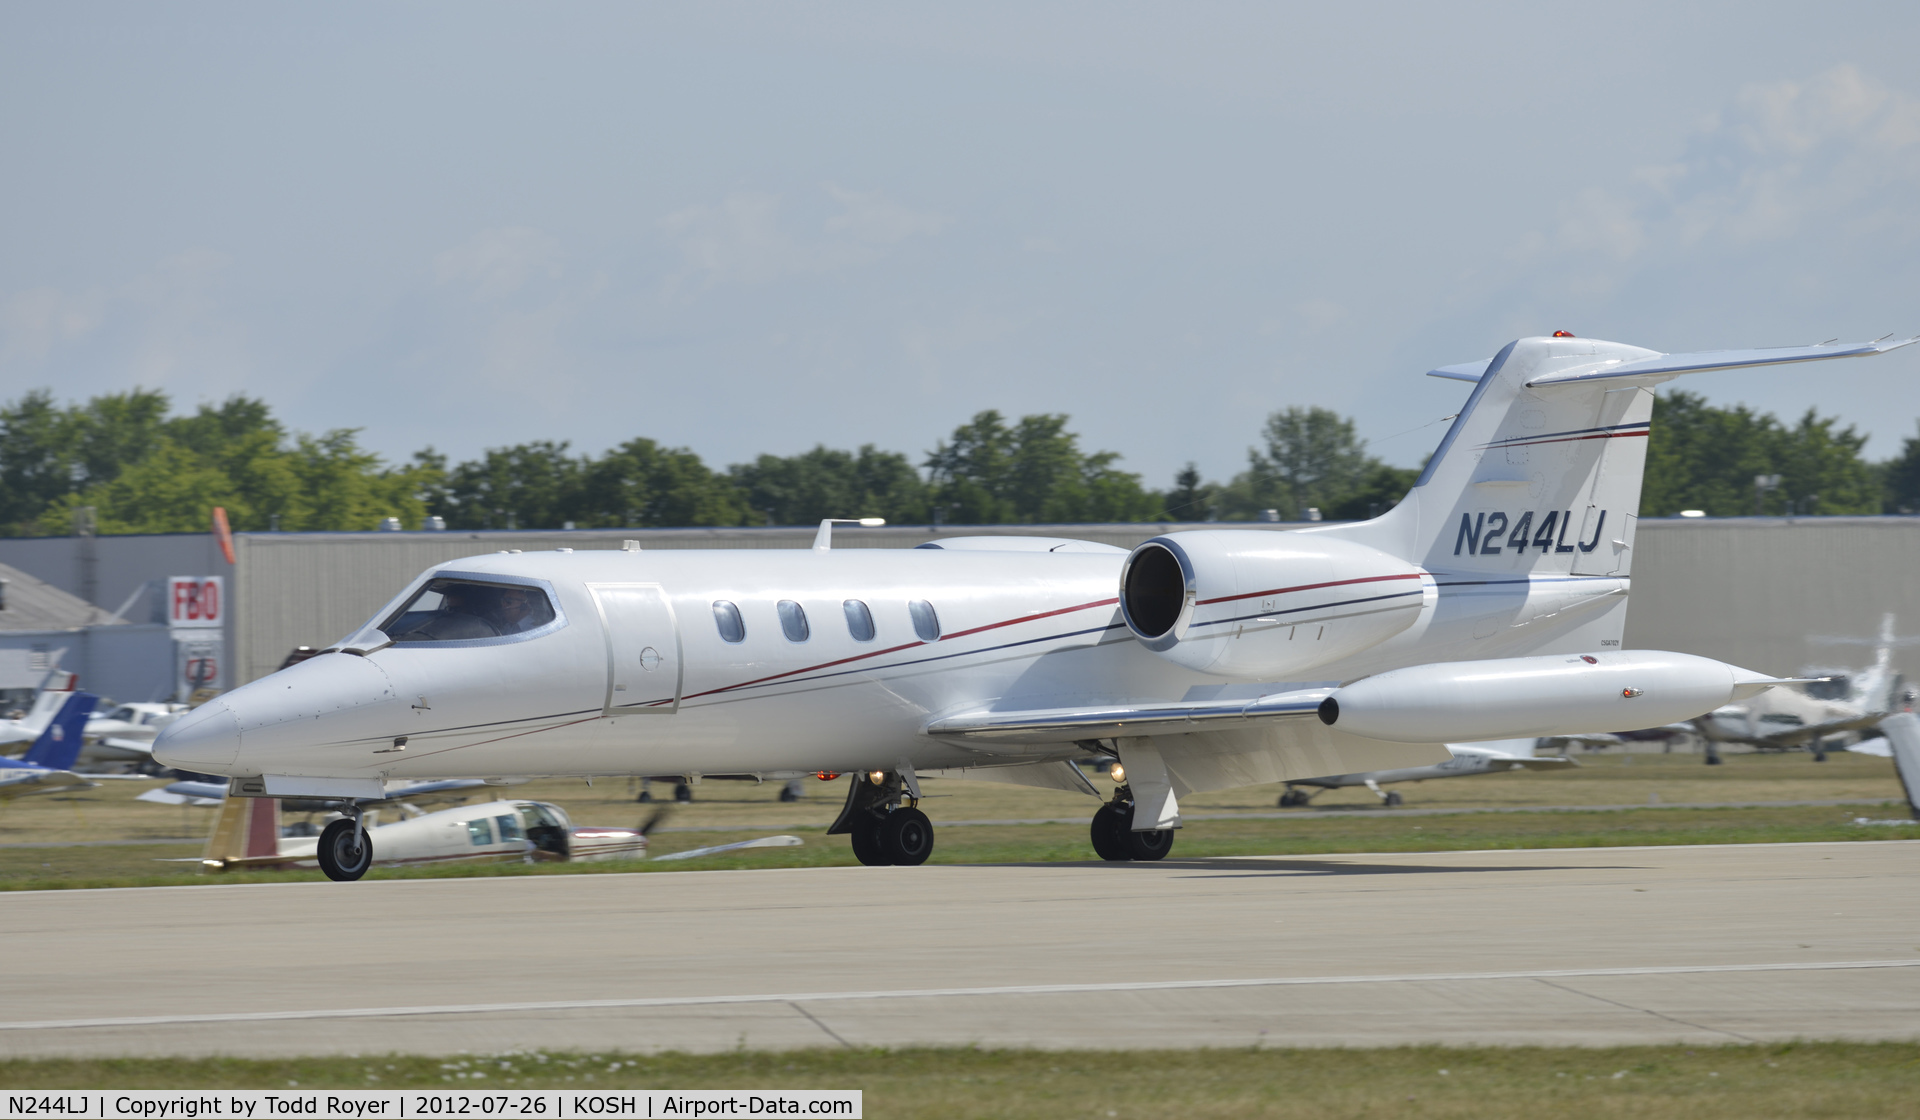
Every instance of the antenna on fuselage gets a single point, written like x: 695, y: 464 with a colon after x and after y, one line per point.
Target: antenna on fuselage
x: 823, y: 540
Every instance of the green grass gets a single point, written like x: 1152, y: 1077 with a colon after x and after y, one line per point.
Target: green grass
x: 135, y: 865
x: 1691, y: 1083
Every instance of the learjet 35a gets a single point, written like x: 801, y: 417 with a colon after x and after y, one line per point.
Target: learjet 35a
x: 1488, y: 604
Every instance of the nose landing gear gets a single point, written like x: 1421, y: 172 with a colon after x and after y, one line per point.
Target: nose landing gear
x: 345, y: 851
x: 883, y: 830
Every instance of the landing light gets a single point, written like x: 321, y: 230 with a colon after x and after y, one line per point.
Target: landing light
x: 1118, y: 773
x: 877, y: 777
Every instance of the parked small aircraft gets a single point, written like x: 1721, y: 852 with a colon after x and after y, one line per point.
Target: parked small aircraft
x: 29, y: 724
x: 47, y: 767
x: 1468, y: 760
x: 1488, y: 604
x: 248, y: 834
x: 125, y: 732
x: 1841, y: 707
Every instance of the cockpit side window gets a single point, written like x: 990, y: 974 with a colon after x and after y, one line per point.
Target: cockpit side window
x: 451, y: 610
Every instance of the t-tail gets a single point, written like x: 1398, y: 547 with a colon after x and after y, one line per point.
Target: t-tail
x: 1541, y: 470
x: 58, y: 747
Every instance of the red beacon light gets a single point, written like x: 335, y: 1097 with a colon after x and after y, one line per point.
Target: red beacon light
x: 1563, y: 334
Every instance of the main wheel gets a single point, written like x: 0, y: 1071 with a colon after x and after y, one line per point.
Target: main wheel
x: 346, y: 851
x: 1148, y: 846
x: 1109, y: 831
x: 1393, y: 800
x: 683, y: 792
x: 906, y: 835
x: 1292, y: 798
x: 866, y: 844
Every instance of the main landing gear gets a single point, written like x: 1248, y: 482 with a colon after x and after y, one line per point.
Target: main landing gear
x: 1115, y: 840
x: 885, y: 831
x: 345, y: 851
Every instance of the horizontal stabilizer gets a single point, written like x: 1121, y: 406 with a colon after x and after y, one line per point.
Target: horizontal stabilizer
x: 1671, y: 365
x: 1065, y: 725
x: 1465, y: 371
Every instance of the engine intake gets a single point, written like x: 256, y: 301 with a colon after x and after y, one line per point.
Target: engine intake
x: 1252, y: 603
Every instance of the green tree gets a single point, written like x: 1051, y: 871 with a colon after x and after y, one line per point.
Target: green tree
x: 641, y: 483
x: 1704, y: 457
x: 1900, y: 479
x: 528, y: 486
x: 1032, y: 472
x: 1313, y: 458
x: 802, y: 489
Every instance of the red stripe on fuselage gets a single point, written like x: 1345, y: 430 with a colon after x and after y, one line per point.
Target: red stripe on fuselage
x: 1305, y: 587
x: 1567, y: 439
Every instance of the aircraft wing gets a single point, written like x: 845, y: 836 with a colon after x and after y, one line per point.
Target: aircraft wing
x: 1806, y: 733
x: 20, y: 783
x: 1066, y: 725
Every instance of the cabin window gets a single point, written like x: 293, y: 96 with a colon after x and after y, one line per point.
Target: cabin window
x: 509, y: 828
x: 859, y: 620
x: 925, y: 622
x: 726, y: 616
x: 451, y: 610
x: 793, y: 621
x: 480, y: 832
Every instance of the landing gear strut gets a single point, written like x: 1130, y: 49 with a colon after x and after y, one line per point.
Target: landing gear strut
x: 345, y: 851
x: 885, y: 831
x: 1114, y: 839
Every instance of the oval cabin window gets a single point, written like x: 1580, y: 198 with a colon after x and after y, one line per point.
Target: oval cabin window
x: 925, y: 622
x: 793, y: 621
x: 859, y: 621
x: 726, y: 617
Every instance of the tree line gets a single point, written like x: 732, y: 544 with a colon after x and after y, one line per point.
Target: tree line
x: 140, y: 469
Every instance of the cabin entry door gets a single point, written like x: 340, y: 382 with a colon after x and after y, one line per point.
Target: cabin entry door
x: 644, y: 665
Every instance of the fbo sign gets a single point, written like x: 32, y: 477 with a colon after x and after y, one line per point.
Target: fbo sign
x: 195, y: 601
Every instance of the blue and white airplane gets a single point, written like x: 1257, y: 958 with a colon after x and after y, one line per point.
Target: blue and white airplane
x: 1488, y: 604
x: 47, y: 765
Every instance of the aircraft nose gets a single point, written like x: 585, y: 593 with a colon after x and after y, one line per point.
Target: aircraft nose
x: 205, y: 740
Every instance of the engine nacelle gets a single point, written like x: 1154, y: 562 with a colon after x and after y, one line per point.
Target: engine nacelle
x: 1514, y: 697
x: 1265, y: 605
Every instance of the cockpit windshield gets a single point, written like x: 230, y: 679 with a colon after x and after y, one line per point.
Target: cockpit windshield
x: 454, y: 610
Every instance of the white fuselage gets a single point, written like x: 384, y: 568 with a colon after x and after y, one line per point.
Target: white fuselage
x: 636, y: 636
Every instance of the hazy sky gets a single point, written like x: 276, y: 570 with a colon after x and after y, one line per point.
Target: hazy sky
x: 747, y: 228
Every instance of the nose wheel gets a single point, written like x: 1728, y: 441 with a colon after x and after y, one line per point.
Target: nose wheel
x: 346, y: 851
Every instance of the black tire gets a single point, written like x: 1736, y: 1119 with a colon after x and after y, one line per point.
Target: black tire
x: 788, y: 795
x: 906, y: 835
x: 1149, y: 846
x: 1292, y: 798
x: 1393, y: 800
x: 1109, y: 832
x: 345, y: 851
x: 682, y: 792
x: 645, y: 798
x: 866, y: 844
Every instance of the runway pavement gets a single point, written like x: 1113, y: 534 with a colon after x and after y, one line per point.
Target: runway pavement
x: 1584, y: 946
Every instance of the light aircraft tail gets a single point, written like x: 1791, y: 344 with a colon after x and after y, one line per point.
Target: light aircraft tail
x: 1540, y: 473
x: 247, y: 831
x: 58, y: 747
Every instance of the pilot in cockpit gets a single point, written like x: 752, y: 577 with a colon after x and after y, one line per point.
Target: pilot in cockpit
x: 513, y: 611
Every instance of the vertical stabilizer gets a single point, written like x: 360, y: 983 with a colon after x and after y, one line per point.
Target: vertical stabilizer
x: 58, y: 747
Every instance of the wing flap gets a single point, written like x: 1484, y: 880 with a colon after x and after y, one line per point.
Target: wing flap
x: 1065, y: 725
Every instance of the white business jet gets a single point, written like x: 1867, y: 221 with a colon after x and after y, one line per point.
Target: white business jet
x: 1488, y: 604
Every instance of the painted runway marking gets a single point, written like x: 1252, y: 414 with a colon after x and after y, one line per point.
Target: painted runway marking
x: 928, y: 993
